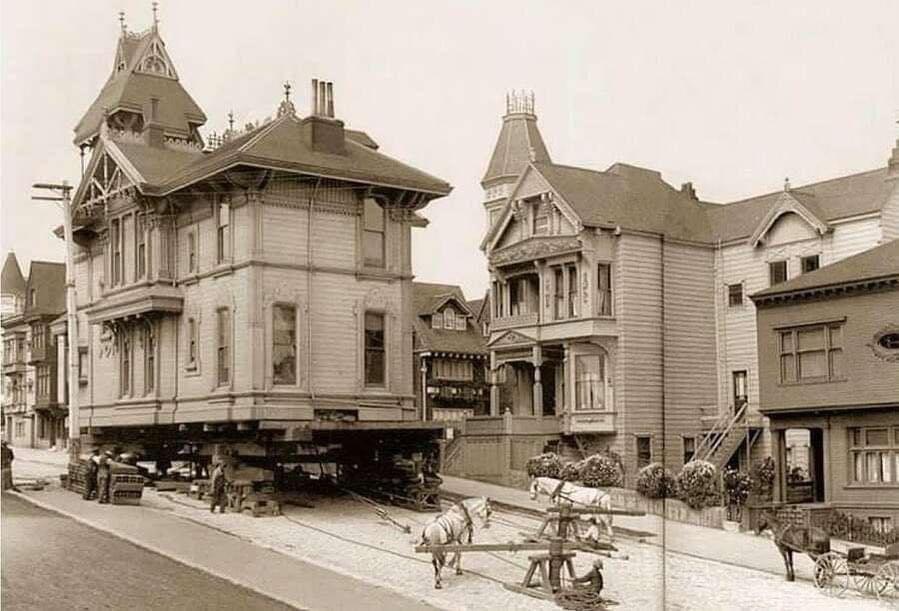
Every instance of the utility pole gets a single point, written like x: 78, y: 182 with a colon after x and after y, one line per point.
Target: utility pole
x: 61, y: 193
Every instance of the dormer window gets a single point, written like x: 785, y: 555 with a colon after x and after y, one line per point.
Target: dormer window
x: 437, y: 321
x: 449, y: 319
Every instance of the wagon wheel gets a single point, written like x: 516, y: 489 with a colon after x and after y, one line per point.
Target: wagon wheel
x: 868, y: 580
x: 832, y: 574
x: 888, y: 577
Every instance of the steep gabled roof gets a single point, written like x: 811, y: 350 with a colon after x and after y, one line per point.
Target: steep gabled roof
x: 519, y: 140
x: 791, y: 202
x: 833, y: 199
x: 280, y: 144
x: 48, y: 280
x: 629, y: 197
x: 426, y: 298
x: 877, y: 263
x: 131, y: 87
x: 12, y: 282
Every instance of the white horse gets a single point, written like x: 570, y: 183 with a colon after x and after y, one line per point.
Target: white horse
x: 452, y: 526
x: 562, y: 492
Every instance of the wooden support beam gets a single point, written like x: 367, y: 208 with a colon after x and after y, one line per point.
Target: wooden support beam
x: 595, y: 510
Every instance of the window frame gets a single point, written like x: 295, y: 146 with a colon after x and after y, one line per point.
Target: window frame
x: 573, y: 277
x: 192, y: 252
x: 273, y: 344
x: 193, y: 349
x: 734, y: 376
x: 83, y: 364
x: 367, y: 231
x: 794, y: 353
x: 368, y: 349
x: 559, y: 310
x: 595, y: 388
x: 888, y: 454
x: 809, y: 258
x: 126, y: 364
x: 223, y: 231
x: 639, y: 437
x: 692, y: 451
x: 774, y: 265
x: 604, y: 300
x: 149, y: 361
x: 735, y: 299
x: 223, y: 343
x: 141, y: 269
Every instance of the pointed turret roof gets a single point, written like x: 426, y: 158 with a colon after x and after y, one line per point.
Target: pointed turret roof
x: 519, y: 141
x: 142, y: 72
x: 12, y: 280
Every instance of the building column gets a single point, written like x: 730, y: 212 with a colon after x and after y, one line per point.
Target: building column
x: 537, y: 360
x: 778, y: 447
x: 494, y: 387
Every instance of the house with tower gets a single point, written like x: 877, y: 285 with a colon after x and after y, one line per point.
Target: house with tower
x: 620, y: 316
x: 251, y: 288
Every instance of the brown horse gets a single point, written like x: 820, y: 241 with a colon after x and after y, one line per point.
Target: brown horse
x: 791, y: 538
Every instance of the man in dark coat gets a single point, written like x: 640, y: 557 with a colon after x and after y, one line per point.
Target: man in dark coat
x: 217, y: 489
x: 103, y: 476
x: 592, y: 580
x: 8, y: 457
x: 90, y: 476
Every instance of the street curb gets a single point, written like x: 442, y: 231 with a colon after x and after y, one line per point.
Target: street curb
x: 150, y: 548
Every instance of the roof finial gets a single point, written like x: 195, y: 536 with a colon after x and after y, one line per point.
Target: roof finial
x: 122, y: 20
x: 231, y: 120
x: 155, y: 16
x: 787, y: 183
x: 286, y: 107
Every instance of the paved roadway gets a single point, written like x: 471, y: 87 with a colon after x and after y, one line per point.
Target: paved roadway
x: 50, y: 561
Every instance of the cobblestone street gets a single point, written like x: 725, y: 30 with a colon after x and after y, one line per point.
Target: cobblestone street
x: 345, y: 536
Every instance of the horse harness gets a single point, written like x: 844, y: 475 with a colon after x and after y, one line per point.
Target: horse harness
x: 558, y: 490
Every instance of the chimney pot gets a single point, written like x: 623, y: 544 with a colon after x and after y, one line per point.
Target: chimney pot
x: 314, y: 109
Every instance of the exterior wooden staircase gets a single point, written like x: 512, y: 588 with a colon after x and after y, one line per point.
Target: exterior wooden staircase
x: 725, y: 437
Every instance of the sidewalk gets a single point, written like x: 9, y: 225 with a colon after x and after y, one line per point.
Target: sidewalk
x: 285, y: 579
x: 739, y: 549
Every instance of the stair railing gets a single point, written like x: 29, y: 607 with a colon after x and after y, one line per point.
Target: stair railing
x: 718, y: 439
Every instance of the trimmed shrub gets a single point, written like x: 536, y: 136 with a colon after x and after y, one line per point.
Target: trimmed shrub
x: 849, y: 527
x: 697, y: 484
x: 762, y: 476
x: 571, y: 472
x: 601, y: 470
x: 655, y: 481
x: 544, y: 465
x: 737, y: 485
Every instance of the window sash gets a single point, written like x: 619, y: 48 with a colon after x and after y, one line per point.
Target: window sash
x: 223, y: 232
x: 191, y: 252
x: 224, y: 346
x: 810, y: 263
x: 777, y: 272
x: 589, y: 382
x: 375, y: 349
x: 374, y: 226
x: 604, y: 290
x: 284, y: 344
x: 149, y: 363
x: 559, y: 292
x: 811, y: 354
x: 572, y: 292
x: 735, y: 295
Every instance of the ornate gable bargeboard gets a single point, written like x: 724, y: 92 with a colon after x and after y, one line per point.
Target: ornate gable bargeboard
x: 535, y: 248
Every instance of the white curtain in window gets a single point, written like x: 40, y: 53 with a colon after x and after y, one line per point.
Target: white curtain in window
x: 589, y: 381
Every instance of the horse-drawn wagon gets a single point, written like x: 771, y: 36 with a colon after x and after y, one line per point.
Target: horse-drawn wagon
x: 872, y: 574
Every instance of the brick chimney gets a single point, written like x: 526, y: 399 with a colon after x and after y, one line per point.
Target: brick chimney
x: 321, y: 131
x: 688, y: 190
x: 153, y: 130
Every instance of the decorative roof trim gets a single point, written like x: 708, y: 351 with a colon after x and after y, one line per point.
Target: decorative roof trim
x: 786, y: 204
x: 443, y: 301
x: 492, y: 238
x: 837, y: 289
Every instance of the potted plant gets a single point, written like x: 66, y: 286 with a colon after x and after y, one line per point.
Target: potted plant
x: 736, y: 491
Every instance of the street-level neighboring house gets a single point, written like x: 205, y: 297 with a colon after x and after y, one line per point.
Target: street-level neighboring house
x: 450, y: 354
x: 619, y: 316
x: 263, y: 278
x: 31, y: 412
x: 828, y: 344
x: 12, y: 303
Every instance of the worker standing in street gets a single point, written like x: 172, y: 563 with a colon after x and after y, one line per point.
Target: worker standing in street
x: 103, y: 472
x: 90, y: 476
x: 8, y: 457
x: 217, y: 486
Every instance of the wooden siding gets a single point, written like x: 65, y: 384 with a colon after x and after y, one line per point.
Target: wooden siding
x: 690, y: 351
x: 269, y: 263
x: 868, y: 379
x: 640, y: 355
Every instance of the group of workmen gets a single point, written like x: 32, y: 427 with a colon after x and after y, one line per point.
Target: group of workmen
x: 97, y: 479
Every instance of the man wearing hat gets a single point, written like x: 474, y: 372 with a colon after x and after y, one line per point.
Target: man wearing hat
x: 103, y: 469
x: 90, y: 476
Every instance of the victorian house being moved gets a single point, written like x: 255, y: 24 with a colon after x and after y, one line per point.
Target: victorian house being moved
x: 250, y: 290
x: 619, y: 310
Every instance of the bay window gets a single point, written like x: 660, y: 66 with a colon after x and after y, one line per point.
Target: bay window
x: 874, y: 455
x: 589, y: 382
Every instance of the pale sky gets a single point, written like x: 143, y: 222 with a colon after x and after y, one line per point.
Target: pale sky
x: 733, y: 96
